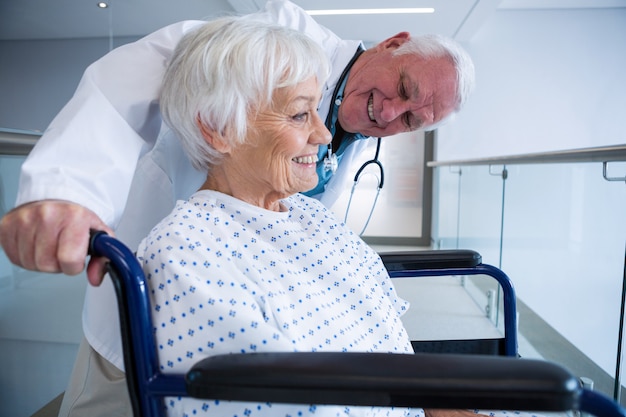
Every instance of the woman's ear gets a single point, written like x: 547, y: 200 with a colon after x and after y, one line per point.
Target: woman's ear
x: 214, y: 138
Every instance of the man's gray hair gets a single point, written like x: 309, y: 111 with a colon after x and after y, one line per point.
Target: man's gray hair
x: 434, y: 46
x: 224, y: 71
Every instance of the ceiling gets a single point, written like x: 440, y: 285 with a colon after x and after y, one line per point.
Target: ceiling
x: 63, y: 19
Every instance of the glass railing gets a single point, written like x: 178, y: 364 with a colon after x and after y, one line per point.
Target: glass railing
x: 14, y: 146
x: 40, y: 314
x: 555, y: 223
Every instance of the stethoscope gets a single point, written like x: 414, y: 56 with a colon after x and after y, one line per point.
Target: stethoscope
x: 357, y: 178
x: 331, y: 162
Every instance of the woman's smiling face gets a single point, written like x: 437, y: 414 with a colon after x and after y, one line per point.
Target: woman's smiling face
x: 280, y: 154
x: 387, y: 94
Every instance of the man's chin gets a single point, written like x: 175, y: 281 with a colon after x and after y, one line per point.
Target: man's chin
x: 370, y: 132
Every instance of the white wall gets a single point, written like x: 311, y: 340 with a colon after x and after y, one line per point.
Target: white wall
x: 546, y: 80
x: 38, y: 77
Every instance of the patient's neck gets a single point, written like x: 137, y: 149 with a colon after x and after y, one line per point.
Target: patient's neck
x: 232, y: 183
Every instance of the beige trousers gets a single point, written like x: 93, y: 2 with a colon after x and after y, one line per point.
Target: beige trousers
x: 96, y: 388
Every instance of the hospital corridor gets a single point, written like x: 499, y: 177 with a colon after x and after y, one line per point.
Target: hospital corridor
x: 530, y: 175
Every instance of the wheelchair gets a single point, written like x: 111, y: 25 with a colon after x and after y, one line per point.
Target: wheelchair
x: 426, y: 380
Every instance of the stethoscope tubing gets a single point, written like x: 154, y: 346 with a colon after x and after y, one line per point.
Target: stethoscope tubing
x: 375, y: 161
x: 330, y: 162
x: 357, y: 177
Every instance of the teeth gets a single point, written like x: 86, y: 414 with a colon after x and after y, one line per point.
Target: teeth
x: 370, y: 108
x: 311, y: 159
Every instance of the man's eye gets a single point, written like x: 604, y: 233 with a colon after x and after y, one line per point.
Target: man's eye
x: 411, y: 122
x: 407, y: 120
x: 402, y: 92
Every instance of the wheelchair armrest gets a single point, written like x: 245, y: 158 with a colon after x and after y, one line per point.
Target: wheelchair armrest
x: 378, y: 379
x: 430, y: 259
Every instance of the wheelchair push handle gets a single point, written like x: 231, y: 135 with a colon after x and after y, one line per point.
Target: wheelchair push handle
x: 94, y: 235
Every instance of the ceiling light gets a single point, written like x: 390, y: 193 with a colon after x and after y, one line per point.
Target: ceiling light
x: 102, y: 5
x: 371, y: 11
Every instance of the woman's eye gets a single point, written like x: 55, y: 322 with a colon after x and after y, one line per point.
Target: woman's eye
x: 301, y: 117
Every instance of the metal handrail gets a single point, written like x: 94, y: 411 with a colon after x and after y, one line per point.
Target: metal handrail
x: 17, y: 142
x: 595, y: 154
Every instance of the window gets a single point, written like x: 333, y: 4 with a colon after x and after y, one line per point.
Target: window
x: 402, y: 210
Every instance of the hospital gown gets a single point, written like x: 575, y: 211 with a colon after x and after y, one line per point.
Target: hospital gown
x: 226, y: 276
x: 229, y: 277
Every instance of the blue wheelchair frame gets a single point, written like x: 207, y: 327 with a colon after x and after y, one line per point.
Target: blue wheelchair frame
x: 462, y: 263
x: 378, y: 379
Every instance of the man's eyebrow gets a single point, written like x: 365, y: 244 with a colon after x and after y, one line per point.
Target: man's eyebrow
x: 416, y: 89
x: 401, y: 85
x: 413, y: 87
x: 406, y: 84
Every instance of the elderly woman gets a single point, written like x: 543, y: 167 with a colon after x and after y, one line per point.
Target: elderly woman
x: 247, y: 264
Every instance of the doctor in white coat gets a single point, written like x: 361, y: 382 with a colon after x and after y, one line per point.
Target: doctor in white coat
x: 107, y: 161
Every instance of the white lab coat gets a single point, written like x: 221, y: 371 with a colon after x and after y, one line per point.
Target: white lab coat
x: 108, y: 150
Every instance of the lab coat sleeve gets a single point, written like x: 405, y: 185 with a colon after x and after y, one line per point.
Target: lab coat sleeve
x: 89, y: 152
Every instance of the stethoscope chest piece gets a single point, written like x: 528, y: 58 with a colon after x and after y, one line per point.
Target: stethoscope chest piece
x: 330, y: 162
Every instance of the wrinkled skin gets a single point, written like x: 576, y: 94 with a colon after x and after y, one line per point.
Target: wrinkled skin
x: 52, y: 236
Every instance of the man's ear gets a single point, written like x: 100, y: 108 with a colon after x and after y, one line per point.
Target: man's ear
x: 394, y: 41
x: 213, y: 137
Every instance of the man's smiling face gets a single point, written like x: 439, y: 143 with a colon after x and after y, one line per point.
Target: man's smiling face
x: 387, y: 94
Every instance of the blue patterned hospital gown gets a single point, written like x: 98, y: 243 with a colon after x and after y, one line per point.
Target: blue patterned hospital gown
x: 226, y: 276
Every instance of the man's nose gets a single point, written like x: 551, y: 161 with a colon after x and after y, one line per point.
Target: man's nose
x: 419, y: 115
x: 394, y: 108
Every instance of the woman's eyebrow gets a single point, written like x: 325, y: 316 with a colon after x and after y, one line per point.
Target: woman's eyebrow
x: 309, y: 99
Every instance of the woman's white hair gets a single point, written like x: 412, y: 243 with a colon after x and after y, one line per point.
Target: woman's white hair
x: 434, y: 46
x: 227, y: 69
